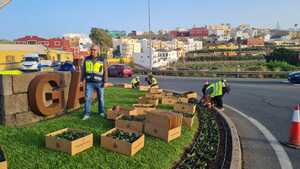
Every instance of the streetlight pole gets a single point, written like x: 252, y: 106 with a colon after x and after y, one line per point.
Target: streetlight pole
x: 150, y: 37
x: 3, y: 3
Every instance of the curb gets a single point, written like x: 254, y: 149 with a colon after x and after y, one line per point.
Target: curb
x: 236, y: 154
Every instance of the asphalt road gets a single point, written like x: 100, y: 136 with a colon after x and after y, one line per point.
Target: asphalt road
x: 269, y: 102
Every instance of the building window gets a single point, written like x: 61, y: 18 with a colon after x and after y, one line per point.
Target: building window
x: 57, y: 43
x: 10, y: 59
x: 31, y: 42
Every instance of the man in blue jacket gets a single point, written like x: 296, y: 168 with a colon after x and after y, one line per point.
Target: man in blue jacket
x: 95, y: 74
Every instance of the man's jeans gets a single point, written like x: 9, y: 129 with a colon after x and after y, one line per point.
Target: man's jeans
x: 90, y: 87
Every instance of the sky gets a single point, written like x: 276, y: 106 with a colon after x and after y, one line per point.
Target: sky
x: 53, y: 18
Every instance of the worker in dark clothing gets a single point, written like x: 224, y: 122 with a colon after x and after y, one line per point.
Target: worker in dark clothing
x: 151, y: 80
x: 135, y: 82
x: 216, y: 92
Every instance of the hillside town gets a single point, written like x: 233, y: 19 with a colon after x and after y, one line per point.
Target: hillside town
x: 167, y: 46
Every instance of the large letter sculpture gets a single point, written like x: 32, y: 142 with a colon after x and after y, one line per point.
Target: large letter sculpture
x: 46, y: 94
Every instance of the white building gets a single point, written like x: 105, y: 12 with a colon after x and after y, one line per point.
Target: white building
x: 242, y: 35
x: 193, y: 45
x: 154, y: 58
x: 127, y: 46
x: 84, y: 41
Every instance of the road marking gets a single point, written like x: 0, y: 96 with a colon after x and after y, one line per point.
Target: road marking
x: 282, y: 156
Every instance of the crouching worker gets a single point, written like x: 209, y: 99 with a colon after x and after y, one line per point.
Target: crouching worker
x: 216, y: 91
x: 151, y: 80
x: 135, y: 82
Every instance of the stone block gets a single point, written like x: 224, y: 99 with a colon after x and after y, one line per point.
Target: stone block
x: 21, y: 82
x: 9, y: 120
x: 25, y: 118
x: 6, y: 85
x: 14, y: 103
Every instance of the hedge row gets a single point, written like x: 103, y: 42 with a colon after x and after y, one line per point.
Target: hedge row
x: 224, y: 58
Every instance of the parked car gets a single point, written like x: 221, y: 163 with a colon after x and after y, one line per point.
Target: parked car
x: 120, y: 70
x: 33, y: 62
x: 294, y: 77
x: 67, y: 66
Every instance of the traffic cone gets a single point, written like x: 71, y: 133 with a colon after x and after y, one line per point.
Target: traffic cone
x: 294, y: 133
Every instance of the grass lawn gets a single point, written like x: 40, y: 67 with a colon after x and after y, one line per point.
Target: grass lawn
x: 25, y: 147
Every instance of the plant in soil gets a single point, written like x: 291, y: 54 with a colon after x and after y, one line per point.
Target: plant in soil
x: 72, y: 135
x: 2, y: 157
x: 205, y: 147
x: 133, y: 118
x: 129, y: 137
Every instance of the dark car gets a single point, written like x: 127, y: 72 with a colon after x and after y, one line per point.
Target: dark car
x: 294, y: 77
x: 120, y: 70
x: 66, y: 67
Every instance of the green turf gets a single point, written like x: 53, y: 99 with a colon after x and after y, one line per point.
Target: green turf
x: 25, y: 147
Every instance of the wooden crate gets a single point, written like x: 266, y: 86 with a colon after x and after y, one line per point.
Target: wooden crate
x: 3, y: 164
x: 164, y: 119
x: 185, y: 108
x: 169, y: 100
x: 135, y: 126
x: 144, y: 88
x: 121, y: 146
x: 70, y: 147
x: 112, y: 114
x: 191, y: 94
x: 125, y: 85
x: 188, y: 121
x: 145, y: 100
x: 183, y: 100
x: 155, y: 90
x: 162, y: 133
x: 141, y: 109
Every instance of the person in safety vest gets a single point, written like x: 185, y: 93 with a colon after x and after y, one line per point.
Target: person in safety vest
x: 95, y: 74
x: 205, y: 99
x: 151, y: 80
x: 216, y: 91
x: 135, y: 82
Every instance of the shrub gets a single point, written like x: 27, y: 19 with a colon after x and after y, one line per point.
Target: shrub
x: 284, y: 55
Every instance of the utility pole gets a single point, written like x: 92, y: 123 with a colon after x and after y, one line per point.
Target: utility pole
x: 150, y: 37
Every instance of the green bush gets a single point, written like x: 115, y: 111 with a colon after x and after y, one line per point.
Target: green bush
x: 280, y: 66
x: 284, y: 55
x: 223, y: 58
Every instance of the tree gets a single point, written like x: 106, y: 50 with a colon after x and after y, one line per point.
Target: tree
x: 101, y: 37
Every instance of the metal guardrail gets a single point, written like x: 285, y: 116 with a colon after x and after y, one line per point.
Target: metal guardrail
x: 197, y: 73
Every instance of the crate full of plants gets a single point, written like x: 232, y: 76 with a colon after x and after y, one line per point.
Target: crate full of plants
x: 3, y: 161
x: 125, y: 85
x: 169, y: 100
x: 190, y: 95
x: 188, y: 119
x: 71, y: 141
x: 141, y: 109
x: 163, y: 124
x: 132, y: 123
x: 144, y: 88
x: 123, y: 141
x: 148, y: 100
x: 116, y: 111
x: 155, y: 90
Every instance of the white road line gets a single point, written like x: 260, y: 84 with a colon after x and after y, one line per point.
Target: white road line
x: 282, y: 156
